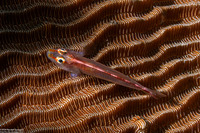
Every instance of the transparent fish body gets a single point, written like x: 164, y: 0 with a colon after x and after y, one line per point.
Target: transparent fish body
x: 75, y: 63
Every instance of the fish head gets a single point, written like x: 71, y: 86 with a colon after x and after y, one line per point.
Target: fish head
x: 61, y: 57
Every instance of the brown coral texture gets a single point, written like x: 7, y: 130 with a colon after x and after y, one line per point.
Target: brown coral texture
x: 155, y: 42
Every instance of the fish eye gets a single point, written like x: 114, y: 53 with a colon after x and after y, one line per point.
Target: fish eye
x: 62, y: 51
x: 60, y: 60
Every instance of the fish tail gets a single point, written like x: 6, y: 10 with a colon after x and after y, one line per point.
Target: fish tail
x: 155, y: 94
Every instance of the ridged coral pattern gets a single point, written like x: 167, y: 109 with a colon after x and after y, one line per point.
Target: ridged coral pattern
x: 155, y: 42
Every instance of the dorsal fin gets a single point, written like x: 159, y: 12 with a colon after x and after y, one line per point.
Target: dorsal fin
x: 81, y: 53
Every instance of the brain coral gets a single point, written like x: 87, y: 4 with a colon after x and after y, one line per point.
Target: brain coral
x: 156, y: 42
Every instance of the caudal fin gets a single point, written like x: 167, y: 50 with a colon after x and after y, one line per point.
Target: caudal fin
x: 155, y: 94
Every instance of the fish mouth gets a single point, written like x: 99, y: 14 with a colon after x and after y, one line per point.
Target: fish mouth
x: 50, y: 53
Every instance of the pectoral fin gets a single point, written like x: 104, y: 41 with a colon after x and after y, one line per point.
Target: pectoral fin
x: 73, y: 75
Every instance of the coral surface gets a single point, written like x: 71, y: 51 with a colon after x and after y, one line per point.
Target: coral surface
x: 155, y: 42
